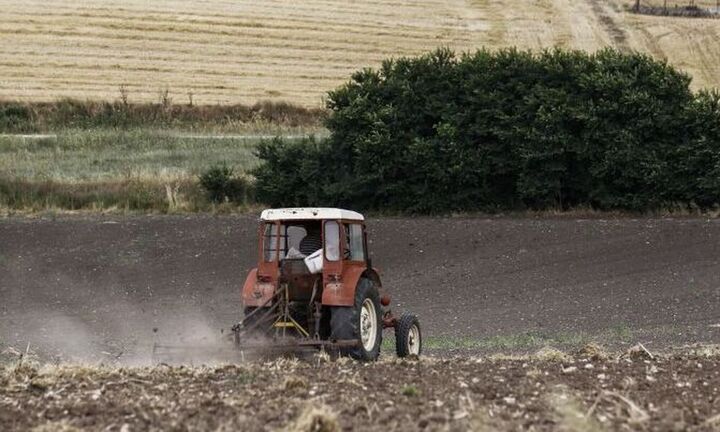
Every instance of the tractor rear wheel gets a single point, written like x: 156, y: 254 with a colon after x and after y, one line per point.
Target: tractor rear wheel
x: 362, y: 321
x: 408, y: 338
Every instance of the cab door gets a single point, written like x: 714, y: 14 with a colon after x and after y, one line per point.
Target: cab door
x: 345, y: 261
x: 354, y: 253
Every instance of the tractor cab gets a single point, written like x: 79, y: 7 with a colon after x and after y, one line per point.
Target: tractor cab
x: 310, y: 248
x: 314, y: 282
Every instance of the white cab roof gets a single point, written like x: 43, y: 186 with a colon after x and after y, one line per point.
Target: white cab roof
x: 309, y: 213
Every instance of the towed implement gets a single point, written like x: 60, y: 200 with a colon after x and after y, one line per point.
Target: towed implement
x: 314, y: 287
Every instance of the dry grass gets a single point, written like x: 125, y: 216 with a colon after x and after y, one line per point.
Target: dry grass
x: 569, y: 412
x: 316, y: 419
x: 245, y: 51
x: 58, y: 426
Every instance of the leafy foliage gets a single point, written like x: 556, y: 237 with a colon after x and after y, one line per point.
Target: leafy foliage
x: 293, y: 173
x: 506, y: 130
x: 223, y: 185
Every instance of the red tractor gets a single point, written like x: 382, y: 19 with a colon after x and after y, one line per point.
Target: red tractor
x: 314, y: 286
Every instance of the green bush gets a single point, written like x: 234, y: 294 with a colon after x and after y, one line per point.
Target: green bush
x: 223, y: 185
x: 695, y: 165
x: 15, y: 117
x: 292, y: 173
x: 506, y: 130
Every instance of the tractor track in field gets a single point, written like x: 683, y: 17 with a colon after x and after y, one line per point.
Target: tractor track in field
x: 105, y: 288
x: 615, y: 31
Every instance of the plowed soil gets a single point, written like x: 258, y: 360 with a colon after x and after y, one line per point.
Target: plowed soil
x: 106, y: 288
x: 583, y: 393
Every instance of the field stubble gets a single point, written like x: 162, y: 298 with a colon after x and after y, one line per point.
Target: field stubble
x: 588, y: 390
x: 297, y: 51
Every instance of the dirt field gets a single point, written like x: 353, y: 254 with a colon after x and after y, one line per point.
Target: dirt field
x: 107, y: 288
x: 586, y: 392
x: 247, y: 50
x: 102, y: 289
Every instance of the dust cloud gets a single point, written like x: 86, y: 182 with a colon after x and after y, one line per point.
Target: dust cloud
x: 58, y: 337
x: 85, y: 322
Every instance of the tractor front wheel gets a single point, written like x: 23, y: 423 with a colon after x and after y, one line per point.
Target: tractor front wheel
x: 362, y: 322
x: 408, y: 338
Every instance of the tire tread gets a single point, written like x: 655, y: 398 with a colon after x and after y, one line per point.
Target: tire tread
x: 402, y: 333
x: 344, y: 321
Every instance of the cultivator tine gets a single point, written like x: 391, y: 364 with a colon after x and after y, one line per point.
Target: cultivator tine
x: 267, y: 315
x: 258, y: 309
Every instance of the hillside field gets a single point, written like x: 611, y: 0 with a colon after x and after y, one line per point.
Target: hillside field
x: 217, y: 51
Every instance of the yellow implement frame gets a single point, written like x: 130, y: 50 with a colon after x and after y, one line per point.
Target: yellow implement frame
x: 286, y: 321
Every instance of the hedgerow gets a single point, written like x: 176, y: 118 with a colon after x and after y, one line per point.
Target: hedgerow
x: 506, y: 129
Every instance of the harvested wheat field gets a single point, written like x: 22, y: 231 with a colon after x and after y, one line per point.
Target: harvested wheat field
x: 586, y: 391
x: 244, y: 51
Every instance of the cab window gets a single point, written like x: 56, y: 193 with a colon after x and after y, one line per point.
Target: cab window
x: 354, y: 248
x: 332, y: 241
x: 270, y: 242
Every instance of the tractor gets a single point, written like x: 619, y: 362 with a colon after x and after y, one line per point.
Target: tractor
x: 314, y: 286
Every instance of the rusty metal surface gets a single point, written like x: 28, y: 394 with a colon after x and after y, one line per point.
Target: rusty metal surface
x: 340, y: 277
x: 389, y: 320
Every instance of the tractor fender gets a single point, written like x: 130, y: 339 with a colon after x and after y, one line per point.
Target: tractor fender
x: 374, y: 275
x: 255, y: 293
x: 342, y: 293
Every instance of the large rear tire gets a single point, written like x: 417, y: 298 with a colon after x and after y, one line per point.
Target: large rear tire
x: 362, y: 321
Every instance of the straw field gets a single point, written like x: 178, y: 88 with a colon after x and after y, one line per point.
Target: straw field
x: 215, y: 51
